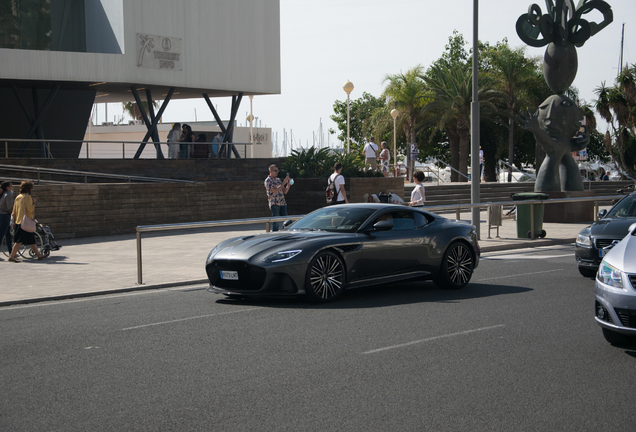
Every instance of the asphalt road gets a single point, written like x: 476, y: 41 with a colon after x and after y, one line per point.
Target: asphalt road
x: 516, y: 350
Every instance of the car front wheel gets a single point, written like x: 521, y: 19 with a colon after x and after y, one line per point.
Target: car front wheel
x: 457, y: 267
x: 325, y: 280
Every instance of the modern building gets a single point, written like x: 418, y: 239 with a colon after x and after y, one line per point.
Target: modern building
x: 59, y: 57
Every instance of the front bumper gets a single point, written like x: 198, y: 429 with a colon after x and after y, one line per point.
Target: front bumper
x: 256, y: 280
x: 615, y: 308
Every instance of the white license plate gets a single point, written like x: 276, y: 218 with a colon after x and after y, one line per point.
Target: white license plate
x: 229, y: 275
x: 602, y: 253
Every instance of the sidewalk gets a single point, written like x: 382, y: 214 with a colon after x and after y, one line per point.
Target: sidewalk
x: 101, y: 265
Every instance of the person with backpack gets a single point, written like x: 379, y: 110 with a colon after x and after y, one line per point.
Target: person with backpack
x: 336, y: 193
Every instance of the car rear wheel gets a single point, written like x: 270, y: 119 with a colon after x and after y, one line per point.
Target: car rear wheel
x: 457, y: 267
x: 587, y: 272
x: 616, y: 338
x: 325, y: 280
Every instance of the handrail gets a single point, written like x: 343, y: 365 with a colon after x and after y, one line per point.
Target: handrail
x: 87, y: 174
x: 268, y: 220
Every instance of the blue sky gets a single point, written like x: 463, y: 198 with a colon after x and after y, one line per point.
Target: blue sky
x: 326, y: 43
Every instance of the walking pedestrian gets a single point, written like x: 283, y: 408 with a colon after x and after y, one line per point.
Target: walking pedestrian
x: 418, y: 197
x: 338, y: 179
x: 6, y: 207
x: 186, y: 142
x: 174, y: 136
x: 370, y: 150
x: 24, y: 205
x: 276, y: 191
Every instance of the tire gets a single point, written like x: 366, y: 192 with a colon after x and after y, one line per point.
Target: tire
x: 616, y: 338
x: 587, y: 272
x: 543, y: 234
x: 3, y: 247
x: 457, y: 267
x: 25, y: 250
x: 325, y: 280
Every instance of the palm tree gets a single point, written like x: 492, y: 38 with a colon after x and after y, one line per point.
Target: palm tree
x: 407, y: 93
x: 617, y: 106
x: 513, y: 73
x: 133, y: 110
x: 451, y: 91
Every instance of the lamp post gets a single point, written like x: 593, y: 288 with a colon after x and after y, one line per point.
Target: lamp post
x: 348, y: 88
x: 394, y: 114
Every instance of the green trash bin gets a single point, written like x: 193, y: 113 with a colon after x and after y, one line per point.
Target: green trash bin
x: 524, y: 223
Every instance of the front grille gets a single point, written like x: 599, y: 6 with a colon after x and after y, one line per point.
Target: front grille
x: 627, y: 317
x: 601, y: 243
x: 250, y: 278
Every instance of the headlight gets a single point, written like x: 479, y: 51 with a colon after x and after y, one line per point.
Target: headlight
x: 214, y: 251
x: 281, y: 256
x: 583, y: 240
x: 610, y: 275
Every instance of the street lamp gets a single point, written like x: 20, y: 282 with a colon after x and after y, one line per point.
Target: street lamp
x: 394, y: 114
x: 348, y: 88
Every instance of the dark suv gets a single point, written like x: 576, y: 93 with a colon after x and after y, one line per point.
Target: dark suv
x: 611, y: 226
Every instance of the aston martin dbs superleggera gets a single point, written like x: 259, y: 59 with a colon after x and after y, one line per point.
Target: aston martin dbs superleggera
x: 346, y: 246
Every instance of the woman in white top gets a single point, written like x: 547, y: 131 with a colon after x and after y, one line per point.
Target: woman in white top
x: 417, y: 196
x: 174, y: 136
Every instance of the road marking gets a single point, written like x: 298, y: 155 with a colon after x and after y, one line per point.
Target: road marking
x: 521, y: 274
x: 524, y: 256
x: 189, y: 319
x: 432, y: 339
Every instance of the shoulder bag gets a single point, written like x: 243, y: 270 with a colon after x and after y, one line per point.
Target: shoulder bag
x: 27, y: 224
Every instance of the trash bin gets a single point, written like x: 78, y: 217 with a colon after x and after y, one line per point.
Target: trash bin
x: 523, y: 214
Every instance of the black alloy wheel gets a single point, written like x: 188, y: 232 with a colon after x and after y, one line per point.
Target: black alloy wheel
x: 457, y: 267
x: 325, y: 280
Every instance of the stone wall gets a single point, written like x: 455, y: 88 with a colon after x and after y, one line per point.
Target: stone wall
x: 87, y: 210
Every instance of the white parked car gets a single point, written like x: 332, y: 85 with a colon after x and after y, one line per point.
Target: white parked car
x: 615, y: 293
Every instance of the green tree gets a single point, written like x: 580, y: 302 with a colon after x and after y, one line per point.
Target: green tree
x: 360, y: 110
x: 617, y: 106
x: 515, y: 75
x: 407, y: 93
x: 133, y: 110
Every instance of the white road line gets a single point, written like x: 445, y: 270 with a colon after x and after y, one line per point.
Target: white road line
x: 515, y: 275
x: 189, y: 319
x: 432, y: 339
x: 524, y: 256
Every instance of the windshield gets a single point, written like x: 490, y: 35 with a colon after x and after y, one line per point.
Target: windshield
x: 334, y: 219
x: 625, y: 208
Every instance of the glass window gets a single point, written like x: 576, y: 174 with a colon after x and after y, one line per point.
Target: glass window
x: 334, y: 219
x: 625, y: 208
x: 402, y: 220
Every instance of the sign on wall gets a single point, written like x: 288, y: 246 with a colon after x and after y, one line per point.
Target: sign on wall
x: 158, y: 52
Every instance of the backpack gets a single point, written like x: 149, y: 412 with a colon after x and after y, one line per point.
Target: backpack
x: 331, y: 193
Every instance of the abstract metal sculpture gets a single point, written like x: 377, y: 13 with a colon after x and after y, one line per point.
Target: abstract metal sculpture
x: 563, y: 29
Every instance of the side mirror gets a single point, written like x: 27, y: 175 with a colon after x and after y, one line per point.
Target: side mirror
x: 287, y: 223
x: 383, y: 226
x: 632, y: 229
x: 602, y: 213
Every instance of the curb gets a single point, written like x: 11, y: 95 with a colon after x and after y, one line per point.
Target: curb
x: 527, y: 244
x: 99, y: 293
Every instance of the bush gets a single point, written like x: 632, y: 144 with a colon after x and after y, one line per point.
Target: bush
x: 319, y: 163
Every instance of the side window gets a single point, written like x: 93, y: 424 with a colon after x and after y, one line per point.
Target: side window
x: 420, y: 220
x: 403, y: 220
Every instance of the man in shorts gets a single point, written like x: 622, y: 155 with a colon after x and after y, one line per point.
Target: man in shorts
x: 370, y: 151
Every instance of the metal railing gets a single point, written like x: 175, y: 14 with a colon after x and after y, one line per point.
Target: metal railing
x: 126, y: 152
x: 87, y: 174
x: 269, y: 220
x: 194, y: 225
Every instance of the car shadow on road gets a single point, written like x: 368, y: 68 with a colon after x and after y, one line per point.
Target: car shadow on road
x: 386, y: 295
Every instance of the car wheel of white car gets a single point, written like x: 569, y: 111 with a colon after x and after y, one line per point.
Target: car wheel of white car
x: 325, y: 280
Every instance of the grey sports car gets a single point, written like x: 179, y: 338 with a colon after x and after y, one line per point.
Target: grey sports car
x: 346, y: 246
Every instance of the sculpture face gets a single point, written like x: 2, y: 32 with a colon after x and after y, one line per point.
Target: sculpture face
x: 559, y: 117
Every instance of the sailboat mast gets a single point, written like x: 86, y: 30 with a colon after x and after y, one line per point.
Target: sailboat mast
x: 620, y: 66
